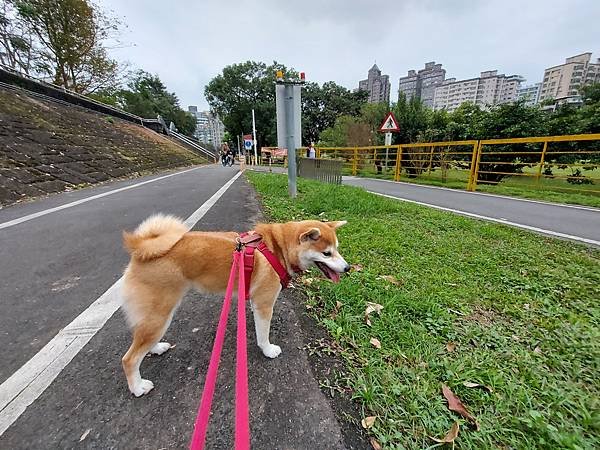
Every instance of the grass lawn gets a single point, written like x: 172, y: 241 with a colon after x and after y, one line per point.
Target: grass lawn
x: 463, y: 301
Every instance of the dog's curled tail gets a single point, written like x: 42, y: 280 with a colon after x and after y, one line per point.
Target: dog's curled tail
x: 154, y: 237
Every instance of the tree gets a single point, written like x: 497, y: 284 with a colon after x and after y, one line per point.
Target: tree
x: 17, y: 46
x: 147, y: 96
x: 373, y: 115
x: 347, y: 131
x: 322, y: 105
x: 241, y: 88
x: 71, y: 36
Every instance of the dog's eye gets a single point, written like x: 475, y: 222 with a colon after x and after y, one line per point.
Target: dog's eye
x: 328, y: 254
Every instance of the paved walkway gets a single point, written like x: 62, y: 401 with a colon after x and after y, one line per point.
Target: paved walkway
x: 59, y: 255
x: 579, y: 223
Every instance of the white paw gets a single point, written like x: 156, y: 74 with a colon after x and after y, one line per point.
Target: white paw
x: 160, y: 348
x: 143, y: 387
x: 271, y: 350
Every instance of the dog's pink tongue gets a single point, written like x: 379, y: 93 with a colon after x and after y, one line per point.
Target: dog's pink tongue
x: 335, y: 277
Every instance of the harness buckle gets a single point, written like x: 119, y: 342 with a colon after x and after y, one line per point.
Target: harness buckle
x: 238, y: 244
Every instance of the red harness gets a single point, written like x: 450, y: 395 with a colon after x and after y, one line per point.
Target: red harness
x: 252, y: 241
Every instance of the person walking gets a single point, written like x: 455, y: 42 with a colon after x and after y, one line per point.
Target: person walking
x: 312, y: 153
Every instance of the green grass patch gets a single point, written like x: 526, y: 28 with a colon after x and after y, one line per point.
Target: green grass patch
x: 521, y: 309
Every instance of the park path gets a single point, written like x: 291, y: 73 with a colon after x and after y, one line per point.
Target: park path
x: 61, y: 254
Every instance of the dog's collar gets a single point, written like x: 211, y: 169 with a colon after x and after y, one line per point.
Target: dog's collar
x: 251, y: 241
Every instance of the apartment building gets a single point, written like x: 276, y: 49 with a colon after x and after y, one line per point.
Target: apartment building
x: 487, y: 90
x: 377, y: 85
x: 422, y: 84
x: 530, y: 94
x: 209, y: 128
x: 562, y: 83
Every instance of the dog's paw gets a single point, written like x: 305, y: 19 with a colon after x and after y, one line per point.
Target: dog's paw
x: 143, y: 387
x: 160, y: 348
x: 271, y: 351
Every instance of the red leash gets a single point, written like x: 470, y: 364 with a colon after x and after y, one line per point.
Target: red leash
x: 243, y: 262
x: 242, y: 421
x: 242, y: 427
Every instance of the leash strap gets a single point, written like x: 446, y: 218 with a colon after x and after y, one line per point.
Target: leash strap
x: 199, y: 434
x: 243, y: 263
x: 242, y: 421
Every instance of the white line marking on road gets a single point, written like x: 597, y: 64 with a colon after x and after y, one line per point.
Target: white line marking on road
x: 484, y: 194
x: 32, y: 216
x: 27, y: 384
x: 494, y: 219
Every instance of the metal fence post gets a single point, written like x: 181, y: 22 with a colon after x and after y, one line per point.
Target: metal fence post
x: 355, y: 162
x: 472, y: 169
x: 398, y: 164
x: 479, y: 151
x: 539, y: 171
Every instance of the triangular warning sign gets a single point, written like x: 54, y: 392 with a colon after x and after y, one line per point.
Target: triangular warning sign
x: 389, y: 124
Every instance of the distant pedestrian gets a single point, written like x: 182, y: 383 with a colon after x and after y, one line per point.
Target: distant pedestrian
x: 312, y: 153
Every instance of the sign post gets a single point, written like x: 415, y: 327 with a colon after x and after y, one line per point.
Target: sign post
x: 389, y: 126
x: 248, y: 144
x: 254, y: 136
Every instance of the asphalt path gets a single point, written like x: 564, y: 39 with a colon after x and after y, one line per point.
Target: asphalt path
x: 572, y: 222
x: 56, y: 265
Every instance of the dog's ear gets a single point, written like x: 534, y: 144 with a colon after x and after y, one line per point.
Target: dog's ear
x: 312, y: 234
x: 337, y: 224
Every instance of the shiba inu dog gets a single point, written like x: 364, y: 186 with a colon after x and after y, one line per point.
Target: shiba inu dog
x: 167, y: 260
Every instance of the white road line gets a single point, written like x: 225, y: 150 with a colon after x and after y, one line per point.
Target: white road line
x: 494, y: 219
x: 485, y: 194
x: 27, y: 384
x: 13, y: 222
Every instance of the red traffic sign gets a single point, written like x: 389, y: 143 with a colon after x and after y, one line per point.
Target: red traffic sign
x: 390, y: 124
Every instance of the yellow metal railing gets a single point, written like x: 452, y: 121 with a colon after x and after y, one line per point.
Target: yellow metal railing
x: 550, y: 162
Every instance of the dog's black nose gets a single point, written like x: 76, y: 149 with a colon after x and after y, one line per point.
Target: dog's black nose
x: 347, y: 268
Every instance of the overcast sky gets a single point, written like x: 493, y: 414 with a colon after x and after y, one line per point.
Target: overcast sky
x: 189, y: 42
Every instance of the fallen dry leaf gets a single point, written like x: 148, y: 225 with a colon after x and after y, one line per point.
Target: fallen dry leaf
x: 372, y: 307
x: 537, y: 350
x: 336, y: 310
x: 85, y: 434
x: 307, y: 281
x: 375, y: 342
x: 454, y: 404
x: 477, y: 385
x: 450, y: 346
x: 368, y: 422
x: 356, y: 267
x: 390, y: 279
x: 375, y: 444
x: 450, y: 435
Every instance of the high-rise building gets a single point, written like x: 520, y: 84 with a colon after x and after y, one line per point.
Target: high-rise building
x: 561, y: 83
x: 409, y: 85
x: 530, y: 94
x: 422, y: 84
x: 209, y: 128
x: 377, y: 85
x: 488, y: 90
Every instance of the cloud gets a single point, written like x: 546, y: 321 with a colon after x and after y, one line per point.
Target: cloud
x: 189, y: 42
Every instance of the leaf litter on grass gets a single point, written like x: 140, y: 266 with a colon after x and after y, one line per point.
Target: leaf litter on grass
x: 454, y: 404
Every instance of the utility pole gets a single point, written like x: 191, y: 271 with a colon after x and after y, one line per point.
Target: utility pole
x: 254, y: 137
x: 289, y: 131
